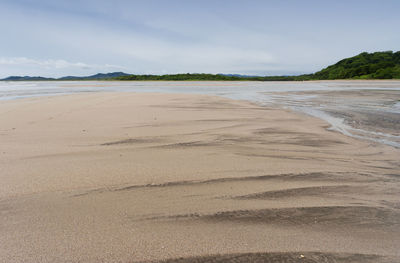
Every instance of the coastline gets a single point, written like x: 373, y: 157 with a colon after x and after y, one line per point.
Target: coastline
x: 211, y: 80
x: 133, y: 176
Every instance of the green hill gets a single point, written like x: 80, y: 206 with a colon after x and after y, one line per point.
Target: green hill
x: 378, y: 65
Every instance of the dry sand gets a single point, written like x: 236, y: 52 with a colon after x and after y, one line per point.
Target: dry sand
x: 125, y: 177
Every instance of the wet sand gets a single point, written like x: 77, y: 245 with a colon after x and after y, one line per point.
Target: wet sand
x: 372, y: 114
x: 130, y: 177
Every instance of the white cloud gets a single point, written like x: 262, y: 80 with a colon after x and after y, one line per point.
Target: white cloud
x: 52, y: 63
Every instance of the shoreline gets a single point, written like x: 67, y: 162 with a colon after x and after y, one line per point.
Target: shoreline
x: 363, y: 100
x: 144, y: 176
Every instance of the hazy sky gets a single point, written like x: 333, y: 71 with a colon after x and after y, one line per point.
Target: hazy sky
x: 82, y: 37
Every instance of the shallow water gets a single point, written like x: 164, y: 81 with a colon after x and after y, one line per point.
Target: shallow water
x: 367, y: 110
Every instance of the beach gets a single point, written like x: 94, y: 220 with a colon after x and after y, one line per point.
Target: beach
x: 144, y: 177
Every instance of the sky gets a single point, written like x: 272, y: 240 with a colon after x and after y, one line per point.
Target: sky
x: 56, y: 38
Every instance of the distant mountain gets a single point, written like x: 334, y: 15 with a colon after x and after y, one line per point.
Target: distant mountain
x: 25, y: 78
x: 239, y: 75
x: 98, y: 76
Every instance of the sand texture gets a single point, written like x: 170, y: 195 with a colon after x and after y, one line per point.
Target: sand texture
x: 130, y: 177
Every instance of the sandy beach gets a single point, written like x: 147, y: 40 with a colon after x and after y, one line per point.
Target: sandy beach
x: 134, y: 177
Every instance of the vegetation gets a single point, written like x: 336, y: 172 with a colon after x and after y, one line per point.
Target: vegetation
x: 178, y: 77
x: 378, y: 65
x: 200, y: 77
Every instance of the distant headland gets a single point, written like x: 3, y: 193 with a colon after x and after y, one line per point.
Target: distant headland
x: 377, y: 65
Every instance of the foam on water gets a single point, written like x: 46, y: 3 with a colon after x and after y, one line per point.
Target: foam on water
x: 339, y: 125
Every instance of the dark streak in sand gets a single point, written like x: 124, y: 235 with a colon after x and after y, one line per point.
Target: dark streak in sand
x: 284, y: 257
x: 301, y: 191
x: 346, y: 216
x: 343, y: 177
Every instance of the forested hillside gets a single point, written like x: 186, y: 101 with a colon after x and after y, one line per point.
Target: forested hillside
x: 378, y: 65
